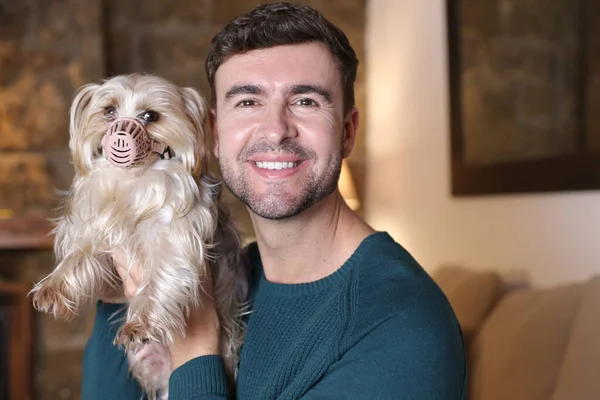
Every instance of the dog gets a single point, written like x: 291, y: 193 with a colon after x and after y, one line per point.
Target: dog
x: 142, y: 188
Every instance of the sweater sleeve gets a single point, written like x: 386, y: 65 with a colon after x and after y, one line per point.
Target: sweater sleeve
x: 205, y: 378
x: 202, y: 378
x: 405, y: 356
x: 105, y: 366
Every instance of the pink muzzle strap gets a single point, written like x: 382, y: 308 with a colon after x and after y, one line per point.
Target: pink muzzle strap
x: 126, y: 143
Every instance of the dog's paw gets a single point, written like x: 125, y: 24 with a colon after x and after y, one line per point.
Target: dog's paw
x: 51, y: 299
x: 131, y: 336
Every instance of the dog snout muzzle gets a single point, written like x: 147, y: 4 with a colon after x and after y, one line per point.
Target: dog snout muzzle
x: 126, y: 143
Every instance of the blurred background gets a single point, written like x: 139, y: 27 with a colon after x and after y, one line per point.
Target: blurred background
x: 475, y: 152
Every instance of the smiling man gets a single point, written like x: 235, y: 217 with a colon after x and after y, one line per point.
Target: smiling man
x: 284, y: 131
x: 338, y: 310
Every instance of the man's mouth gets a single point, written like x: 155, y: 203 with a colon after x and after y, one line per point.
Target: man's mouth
x: 276, y: 164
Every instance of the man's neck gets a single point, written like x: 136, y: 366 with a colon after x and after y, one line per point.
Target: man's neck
x: 312, y: 245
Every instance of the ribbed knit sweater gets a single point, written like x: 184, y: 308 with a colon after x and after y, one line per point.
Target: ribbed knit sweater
x: 377, y: 328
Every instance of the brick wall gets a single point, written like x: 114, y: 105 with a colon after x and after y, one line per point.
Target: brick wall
x: 49, y: 49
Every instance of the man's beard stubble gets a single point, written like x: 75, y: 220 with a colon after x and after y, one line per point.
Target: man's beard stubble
x: 276, y: 206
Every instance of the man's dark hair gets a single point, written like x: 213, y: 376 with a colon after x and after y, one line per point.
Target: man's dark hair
x: 277, y: 24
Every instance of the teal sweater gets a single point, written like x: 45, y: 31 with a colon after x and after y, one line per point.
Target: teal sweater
x: 377, y: 328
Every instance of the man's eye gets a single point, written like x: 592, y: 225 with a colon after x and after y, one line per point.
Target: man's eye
x: 246, y: 103
x: 149, y: 116
x: 307, y: 102
x: 109, y: 111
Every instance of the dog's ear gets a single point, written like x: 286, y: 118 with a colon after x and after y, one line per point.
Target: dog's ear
x: 81, y: 101
x: 196, y: 110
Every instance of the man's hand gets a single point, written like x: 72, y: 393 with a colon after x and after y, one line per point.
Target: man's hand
x: 202, y: 335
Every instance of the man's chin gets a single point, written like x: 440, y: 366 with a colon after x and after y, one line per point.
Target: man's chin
x: 277, y: 213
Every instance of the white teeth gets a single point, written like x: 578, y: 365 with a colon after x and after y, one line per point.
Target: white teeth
x: 275, y: 165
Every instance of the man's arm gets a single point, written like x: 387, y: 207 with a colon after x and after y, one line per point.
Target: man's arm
x: 105, y: 366
x: 106, y: 369
x: 403, y: 358
x: 202, y: 378
x: 199, y: 371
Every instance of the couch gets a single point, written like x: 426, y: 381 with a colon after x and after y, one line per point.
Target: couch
x: 526, y: 343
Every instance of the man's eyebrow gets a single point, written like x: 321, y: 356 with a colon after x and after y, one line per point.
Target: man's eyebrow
x: 242, y: 89
x: 304, y: 89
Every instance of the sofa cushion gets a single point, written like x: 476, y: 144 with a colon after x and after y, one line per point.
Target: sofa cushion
x: 471, y: 293
x: 519, y: 349
x: 579, y: 375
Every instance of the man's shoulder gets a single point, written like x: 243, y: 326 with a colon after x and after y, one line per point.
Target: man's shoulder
x: 403, y: 317
x: 392, y: 285
x: 381, y: 262
x: 401, y: 314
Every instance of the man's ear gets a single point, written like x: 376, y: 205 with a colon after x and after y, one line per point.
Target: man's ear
x: 212, y: 118
x: 350, y: 131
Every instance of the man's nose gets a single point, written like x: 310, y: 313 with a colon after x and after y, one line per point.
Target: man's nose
x: 277, y: 125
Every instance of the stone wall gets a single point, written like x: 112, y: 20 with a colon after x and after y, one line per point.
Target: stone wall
x: 49, y: 49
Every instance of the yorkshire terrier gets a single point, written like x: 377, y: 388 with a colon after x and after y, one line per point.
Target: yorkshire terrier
x: 142, y: 188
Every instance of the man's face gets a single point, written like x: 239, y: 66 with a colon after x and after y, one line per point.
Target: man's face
x: 279, y: 127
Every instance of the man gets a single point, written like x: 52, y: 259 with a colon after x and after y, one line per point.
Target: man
x: 338, y: 310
